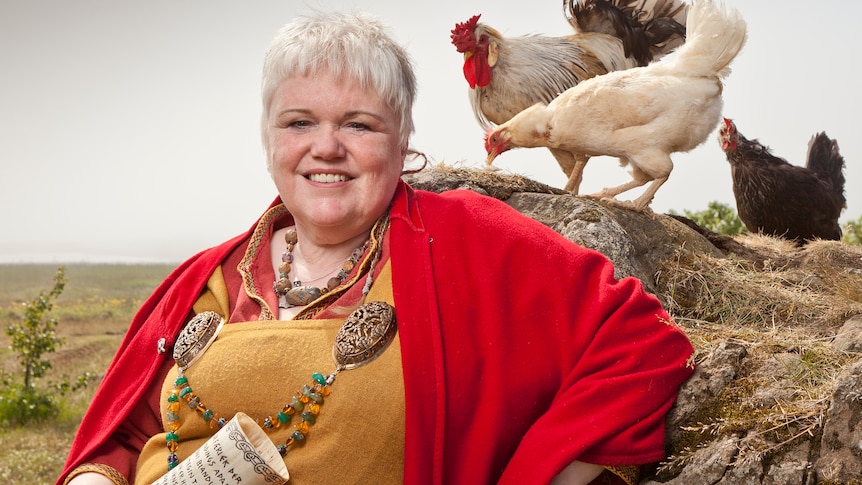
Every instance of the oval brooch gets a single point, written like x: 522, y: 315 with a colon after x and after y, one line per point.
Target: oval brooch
x: 196, y: 337
x: 366, y: 333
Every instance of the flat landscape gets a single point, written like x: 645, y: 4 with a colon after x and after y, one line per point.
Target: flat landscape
x: 93, y: 311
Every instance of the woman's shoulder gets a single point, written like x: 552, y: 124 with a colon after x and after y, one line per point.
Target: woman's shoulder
x: 466, y: 204
x: 473, y: 215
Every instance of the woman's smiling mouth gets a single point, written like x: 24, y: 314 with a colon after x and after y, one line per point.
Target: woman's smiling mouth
x: 327, y: 178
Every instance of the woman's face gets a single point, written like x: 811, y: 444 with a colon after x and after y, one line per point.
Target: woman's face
x: 335, y: 154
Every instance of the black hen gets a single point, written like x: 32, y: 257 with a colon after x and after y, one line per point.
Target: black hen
x: 776, y: 198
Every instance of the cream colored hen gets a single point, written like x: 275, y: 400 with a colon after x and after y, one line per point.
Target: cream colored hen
x: 508, y: 74
x: 640, y: 115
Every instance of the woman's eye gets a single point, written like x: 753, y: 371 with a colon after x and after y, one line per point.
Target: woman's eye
x: 357, y: 126
x: 300, y: 124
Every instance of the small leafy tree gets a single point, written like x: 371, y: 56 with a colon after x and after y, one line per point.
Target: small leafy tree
x: 37, y: 334
x: 852, y: 232
x: 717, y: 217
x: 34, y: 336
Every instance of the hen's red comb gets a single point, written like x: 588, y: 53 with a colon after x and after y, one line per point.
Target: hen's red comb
x: 462, y: 35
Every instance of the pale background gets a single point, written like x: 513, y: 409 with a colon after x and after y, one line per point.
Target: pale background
x: 129, y: 130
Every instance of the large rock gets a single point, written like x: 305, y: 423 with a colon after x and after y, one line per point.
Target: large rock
x: 849, y: 338
x: 841, y: 446
x: 707, y: 465
x: 635, y: 242
x: 710, y: 378
x: 755, y: 410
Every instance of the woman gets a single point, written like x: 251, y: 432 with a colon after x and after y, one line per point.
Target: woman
x: 502, y: 353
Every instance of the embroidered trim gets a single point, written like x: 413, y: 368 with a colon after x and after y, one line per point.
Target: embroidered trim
x: 376, y: 238
x: 261, y: 231
x: 629, y: 474
x: 105, y: 470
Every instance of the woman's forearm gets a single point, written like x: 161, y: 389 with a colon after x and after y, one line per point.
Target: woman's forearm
x: 577, y: 473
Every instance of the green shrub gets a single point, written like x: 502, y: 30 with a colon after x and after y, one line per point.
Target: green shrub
x: 21, y: 401
x: 20, y: 405
x: 852, y: 232
x: 717, y: 217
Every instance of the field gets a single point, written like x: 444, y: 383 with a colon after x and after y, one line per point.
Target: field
x: 93, y: 312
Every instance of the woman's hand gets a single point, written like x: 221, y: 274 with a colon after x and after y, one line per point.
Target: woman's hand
x: 577, y: 473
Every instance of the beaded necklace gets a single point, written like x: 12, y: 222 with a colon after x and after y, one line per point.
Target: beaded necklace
x: 297, y: 294
x: 365, y: 334
x: 309, y: 395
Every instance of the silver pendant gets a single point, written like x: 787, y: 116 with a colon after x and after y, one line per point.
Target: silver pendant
x: 302, y: 295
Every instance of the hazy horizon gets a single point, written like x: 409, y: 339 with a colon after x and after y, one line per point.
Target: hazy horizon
x: 131, y: 130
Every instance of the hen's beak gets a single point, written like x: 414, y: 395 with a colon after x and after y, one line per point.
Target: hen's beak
x: 490, y: 159
x: 489, y: 147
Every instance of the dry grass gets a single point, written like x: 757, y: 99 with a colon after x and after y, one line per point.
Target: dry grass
x: 34, y: 455
x: 493, y: 182
x: 813, y: 288
x: 784, y: 305
x: 94, y: 311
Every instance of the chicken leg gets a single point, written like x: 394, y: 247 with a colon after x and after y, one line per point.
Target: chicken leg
x: 573, y: 166
x: 639, y: 178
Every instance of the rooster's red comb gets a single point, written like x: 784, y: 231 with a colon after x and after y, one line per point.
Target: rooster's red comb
x: 462, y: 35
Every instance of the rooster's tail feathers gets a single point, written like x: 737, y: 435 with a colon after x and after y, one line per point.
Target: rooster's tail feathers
x: 825, y: 160
x: 649, y: 29
x: 715, y: 36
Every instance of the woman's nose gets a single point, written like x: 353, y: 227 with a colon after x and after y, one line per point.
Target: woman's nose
x: 327, y: 144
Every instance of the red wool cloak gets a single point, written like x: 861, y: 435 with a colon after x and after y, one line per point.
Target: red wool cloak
x: 520, y: 351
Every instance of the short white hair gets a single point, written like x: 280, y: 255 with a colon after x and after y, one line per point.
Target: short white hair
x: 351, y: 44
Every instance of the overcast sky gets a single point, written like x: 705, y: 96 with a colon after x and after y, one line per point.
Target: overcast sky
x: 130, y: 130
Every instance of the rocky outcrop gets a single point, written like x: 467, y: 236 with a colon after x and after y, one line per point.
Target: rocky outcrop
x: 777, y: 394
x: 635, y: 243
x: 840, y: 457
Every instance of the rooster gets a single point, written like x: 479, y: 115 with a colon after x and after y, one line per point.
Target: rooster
x: 640, y: 115
x: 788, y: 201
x: 509, y: 74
